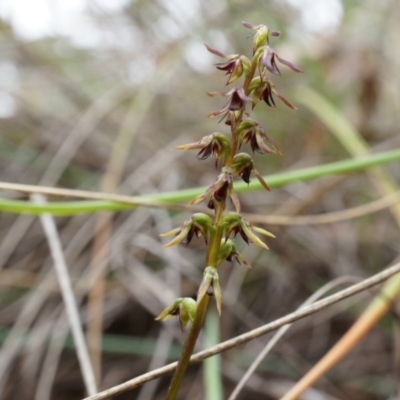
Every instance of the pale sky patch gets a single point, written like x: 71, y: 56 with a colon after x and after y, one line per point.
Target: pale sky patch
x: 323, y: 16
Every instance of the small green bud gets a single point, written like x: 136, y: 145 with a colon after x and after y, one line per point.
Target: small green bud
x: 246, y: 64
x: 210, y: 286
x: 229, y: 221
x: 187, y: 311
x: 229, y: 252
x: 256, y: 91
x: 235, y: 255
x: 184, y: 307
x: 202, y: 221
x: 245, y: 125
x: 225, y: 250
x: 255, y: 84
x: 260, y: 38
x: 205, y: 283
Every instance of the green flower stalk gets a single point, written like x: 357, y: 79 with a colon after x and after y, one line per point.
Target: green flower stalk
x: 219, y: 233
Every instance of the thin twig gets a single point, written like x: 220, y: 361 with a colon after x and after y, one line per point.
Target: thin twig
x: 51, y: 359
x: 135, y: 114
x: 315, y: 296
x: 160, y: 356
x: 378, y: 307
x: 80, y: 194
x: 328, y: 218
x: 224, y: 346
x: 100, y: 257
x: 63, y: 153
x: 61, y: 269
x: 14, y: 340
x: 356, y: 145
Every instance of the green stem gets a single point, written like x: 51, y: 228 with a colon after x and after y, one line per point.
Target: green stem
x: 188, y: 348
x: 274, y: 181
x: 234, y: 141
x: 250, y: 76
x: 212, y: 366
x: 213, y: 249
x: 201, y: 307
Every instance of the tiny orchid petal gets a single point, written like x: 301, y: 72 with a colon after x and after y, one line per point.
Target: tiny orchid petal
x: 289, y: 64
x: 284, y: 99
x: 263, y: 231
x: 249, y: 25
x: 214, y: 51
x: 261, y: 180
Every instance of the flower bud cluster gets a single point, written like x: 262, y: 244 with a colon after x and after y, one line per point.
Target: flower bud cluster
x: 219, y: 232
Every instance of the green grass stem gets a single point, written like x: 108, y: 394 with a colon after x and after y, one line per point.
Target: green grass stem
x: 212, y: 376
x: 274, y: 181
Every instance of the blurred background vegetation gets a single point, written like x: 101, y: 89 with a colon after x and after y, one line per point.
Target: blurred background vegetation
x: 95, y: 95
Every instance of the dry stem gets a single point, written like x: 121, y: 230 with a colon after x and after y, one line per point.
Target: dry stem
x: 229, y: 344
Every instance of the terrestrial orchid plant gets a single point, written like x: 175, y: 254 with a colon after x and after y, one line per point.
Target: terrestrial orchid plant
x: 218, y: 231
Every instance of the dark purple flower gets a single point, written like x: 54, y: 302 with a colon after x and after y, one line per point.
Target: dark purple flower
x: 243, y: 166
x: 220, y: 190
x: 234, y: 67
x: 264, y: 89
x: 250, y: 131
x: 267, y: 60
x: 216, y: 144
x: 236, y: 102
